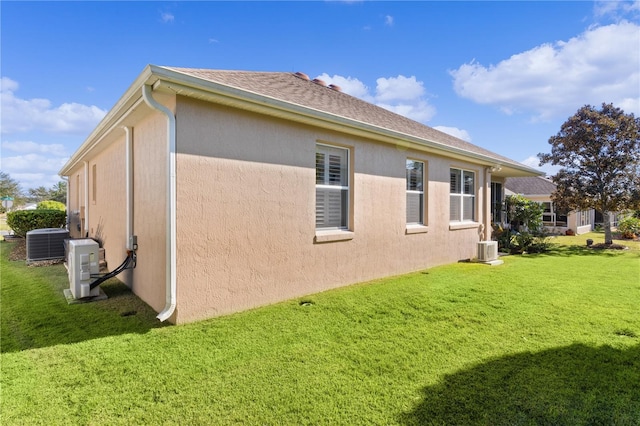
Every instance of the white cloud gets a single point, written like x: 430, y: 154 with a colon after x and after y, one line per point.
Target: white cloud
x: 403, y: 95
x: 454, y: 131
x: 555, y: 80
x: 33, y: 164
x: 399, y: 88
x: 167, y: 18
x: 388, y: 20
x: 533, y: 162
x: 36, y: 148
x: 22, y: 115
x: 616, y: 9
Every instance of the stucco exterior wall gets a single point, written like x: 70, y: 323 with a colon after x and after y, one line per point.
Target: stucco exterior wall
x: 102, y: 201
x: 76, y: 207
x: 246, y: 212
x: 107, y: 204
x: 149, y: 208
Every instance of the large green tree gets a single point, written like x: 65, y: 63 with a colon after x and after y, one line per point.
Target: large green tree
x: 598, y: 151
x: 57, y: 192
x: 9, y: 187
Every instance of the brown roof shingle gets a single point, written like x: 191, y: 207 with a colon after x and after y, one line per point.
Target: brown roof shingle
x: 535, y: 185
x: 289, y: 88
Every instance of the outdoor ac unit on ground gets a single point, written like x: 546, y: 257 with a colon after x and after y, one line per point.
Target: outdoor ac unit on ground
x: 46, y: 244
x: 487, y: 251
x: 82, y: 263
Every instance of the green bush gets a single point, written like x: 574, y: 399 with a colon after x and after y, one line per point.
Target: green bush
x: 23, y: 221
x: 51, y: 205
x: 629, y: 227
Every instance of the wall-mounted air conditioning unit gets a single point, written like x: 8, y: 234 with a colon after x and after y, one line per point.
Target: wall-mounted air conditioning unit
x: 487, y: 251
x: 46, y: 244
x: 82, y: 264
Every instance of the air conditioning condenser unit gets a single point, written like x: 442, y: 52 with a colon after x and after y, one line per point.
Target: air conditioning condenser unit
x: 487, y: 251
x: 83, y: 267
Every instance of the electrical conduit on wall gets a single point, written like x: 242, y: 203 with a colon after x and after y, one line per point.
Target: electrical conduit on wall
x: 86, y: 199
x: 171, y: 292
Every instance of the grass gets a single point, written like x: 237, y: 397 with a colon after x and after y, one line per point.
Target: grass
x: 542, y: 339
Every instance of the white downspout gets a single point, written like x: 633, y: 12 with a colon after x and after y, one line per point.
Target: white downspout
x: 86, y: 199
x: 129, y: 185
x: 170, y: 305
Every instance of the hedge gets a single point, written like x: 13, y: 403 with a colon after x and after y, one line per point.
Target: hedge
x: 23, y: 221
x: 51, y: 205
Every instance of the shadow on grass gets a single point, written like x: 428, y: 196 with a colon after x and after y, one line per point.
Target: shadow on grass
x: 574, y: 385
x: 34, y: 311
x: 579, y: 251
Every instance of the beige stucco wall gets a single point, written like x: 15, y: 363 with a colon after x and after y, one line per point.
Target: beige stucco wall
x: 106, y: 209
x: 76, y: 207
x: 149, y: 208
x: 246, y: 212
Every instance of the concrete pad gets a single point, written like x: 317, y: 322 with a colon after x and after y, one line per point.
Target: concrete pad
x: 71, y: 301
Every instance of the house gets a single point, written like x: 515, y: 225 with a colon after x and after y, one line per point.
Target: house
x: 244, y: 189
x: 555, y: 220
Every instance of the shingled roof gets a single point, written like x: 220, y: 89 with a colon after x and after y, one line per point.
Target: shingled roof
x: 534, y: 185
x: 292, y: 96
x: 293, y: 89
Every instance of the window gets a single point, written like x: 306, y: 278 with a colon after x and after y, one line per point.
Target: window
x: 78, y: 191
x: 415, y: 192
x: 462, y: 196
x: 548, y: 216
x: 94, y: 183
x: 584, y: 217
x: 496, y: 202
x: 332, y: 187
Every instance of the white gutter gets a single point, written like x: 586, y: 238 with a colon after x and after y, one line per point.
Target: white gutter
x: 170, y: 249
x: 128, y: 155
x: 188, y: 85
x: 86, y: 199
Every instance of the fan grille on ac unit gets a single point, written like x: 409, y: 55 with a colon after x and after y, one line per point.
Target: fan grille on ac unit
x: 46, y: 244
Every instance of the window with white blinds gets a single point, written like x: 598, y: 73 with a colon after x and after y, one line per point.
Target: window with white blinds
x: 415, y: 192
x: 332, y: 187
x: 462, y: 195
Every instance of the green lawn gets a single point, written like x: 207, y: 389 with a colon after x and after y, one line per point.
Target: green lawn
x: 543, y: 339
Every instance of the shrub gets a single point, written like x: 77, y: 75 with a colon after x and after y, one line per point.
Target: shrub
x: 51, y: 205
x: 23, y: 221
x: 629, y: 227
x: 540, y: 244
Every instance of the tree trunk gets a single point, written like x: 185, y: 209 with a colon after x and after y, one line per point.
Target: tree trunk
x: 608, y: 238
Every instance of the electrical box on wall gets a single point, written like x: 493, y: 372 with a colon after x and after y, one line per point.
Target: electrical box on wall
x: 82, y: 264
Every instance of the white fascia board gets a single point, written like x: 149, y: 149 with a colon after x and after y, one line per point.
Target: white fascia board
x: 116, y: 114
x: 186, y: 85
x: 190, y: 86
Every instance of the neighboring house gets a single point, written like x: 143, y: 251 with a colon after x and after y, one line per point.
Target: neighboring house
x: 249, y: 188
x: 556, y: 221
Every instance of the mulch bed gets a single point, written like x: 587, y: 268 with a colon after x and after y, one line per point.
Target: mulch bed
x: 19, y: 252
x: 18, y: 248
x: 603, y: 246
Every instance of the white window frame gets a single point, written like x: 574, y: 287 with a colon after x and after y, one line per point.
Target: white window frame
x: 584, y: 217
x: 417, y: 191
x: 460, y: 196
x: 344, y: 188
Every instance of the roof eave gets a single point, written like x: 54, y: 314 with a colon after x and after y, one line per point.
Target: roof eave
x: 131, y: 97
x: 191, y: 86
x: 182, y: 84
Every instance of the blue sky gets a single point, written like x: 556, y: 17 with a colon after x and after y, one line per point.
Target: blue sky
x: 502, y: 75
